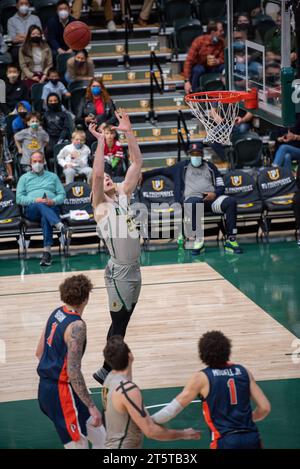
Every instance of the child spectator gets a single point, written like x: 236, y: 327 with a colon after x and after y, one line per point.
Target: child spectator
x: 113, y: 152
x: 32, y: 139
x: 22, y: 109
x: 73, y: 158
x: 35, y: 57
x: 15, y: 90
x: 54, y: 85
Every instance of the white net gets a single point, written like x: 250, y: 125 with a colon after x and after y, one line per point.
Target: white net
x: 217, y: 117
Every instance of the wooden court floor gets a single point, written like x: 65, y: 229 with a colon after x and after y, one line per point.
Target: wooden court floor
x: 178, y: 303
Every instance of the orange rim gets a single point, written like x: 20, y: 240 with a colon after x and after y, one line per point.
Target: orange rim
x: 226, y: 97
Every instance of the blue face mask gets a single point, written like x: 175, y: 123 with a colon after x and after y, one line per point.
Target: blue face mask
x: 238, y: 45
x: 215, y: 40
x: 96, y: 90
x: 78, y: 146
x: 196, y: 161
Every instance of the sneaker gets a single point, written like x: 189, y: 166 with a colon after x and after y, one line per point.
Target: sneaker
x: 232, y: 246
x: 46, y: 259
x: 198, y: 247
x: 298, y: 241
x: 111, y: 26
x: 100, y: 375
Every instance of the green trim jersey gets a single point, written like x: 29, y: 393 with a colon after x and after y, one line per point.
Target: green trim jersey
x: 119, y: 231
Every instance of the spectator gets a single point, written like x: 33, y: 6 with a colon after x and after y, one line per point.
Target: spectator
x: 41, y: 193
x: 113, y: 153
x: 22, y: 109
x: 205, y: 55
x: 244, y: 23
x: 5, y: 57
x: 56, y: 124
x: 56, y: 26
x: 272, y: 42
x: 35, y: 57
x: 198, y: 181
x: 6, y: 169
x: 15, y: 90
x: 290, y: 147
x: 79, y: 67
x: 108, y: 12
x: 32, y: 139
x: 74, y: 158
x: 18, y: 25
x: 54, y: 85
x: 99, y: 107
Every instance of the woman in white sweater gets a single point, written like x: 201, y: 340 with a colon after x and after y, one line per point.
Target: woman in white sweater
x: 74, y: 158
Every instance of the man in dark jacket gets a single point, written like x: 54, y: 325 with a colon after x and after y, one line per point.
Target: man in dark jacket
x: 56, y: 26
x: 56, y: 124
x: 198, y: 181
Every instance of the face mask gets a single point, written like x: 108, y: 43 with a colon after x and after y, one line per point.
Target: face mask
x: 34, y: 125
x: 37, y: 167
x: 22, y: 114
x: 78, y: 146
x: 13, y: 77
x: 96, y: 90
x: 238, y: 45
x: 54, y: 107
x: 24, y: 9
x: 244, y: 26
x: 196, y: 161
x: 272, y: 79
x: 63, y: 14
x: 54, y: 81
x: 36, y: 39
x: 215, y: 40
x: 79, y: 63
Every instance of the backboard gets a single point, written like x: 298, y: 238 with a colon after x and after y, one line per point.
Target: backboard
x: 261, y: 57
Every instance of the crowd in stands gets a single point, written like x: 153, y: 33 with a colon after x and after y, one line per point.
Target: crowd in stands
x: 57, y: 137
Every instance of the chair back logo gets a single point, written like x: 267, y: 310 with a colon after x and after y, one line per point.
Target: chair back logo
x: 158, y: 185
x: 236, y: 180
x: 77, y: 191
x: 274, y: 174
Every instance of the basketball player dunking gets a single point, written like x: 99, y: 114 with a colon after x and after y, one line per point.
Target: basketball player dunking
x: 117, y: 228
x: 226, y: 390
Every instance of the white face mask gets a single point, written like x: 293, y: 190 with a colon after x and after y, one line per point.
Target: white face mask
x: 24, y: 9
x: 196, y: 161
x: 37, y: 167
x: 63, y: 14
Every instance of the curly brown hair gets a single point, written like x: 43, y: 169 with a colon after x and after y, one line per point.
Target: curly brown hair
x: 104, y: 94
x: 75, y: 290
x: 116, y: 353
x: 214, y: 349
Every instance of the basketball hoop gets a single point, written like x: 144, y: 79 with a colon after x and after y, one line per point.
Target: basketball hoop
x: 217, y: 111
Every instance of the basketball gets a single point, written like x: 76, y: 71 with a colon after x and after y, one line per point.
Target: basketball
x: 77, y: 35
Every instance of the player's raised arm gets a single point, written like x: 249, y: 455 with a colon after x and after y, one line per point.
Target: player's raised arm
x: 134, y: 171
x: 98, y: 168
x: 192, y: 389
x: 263, y: 406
